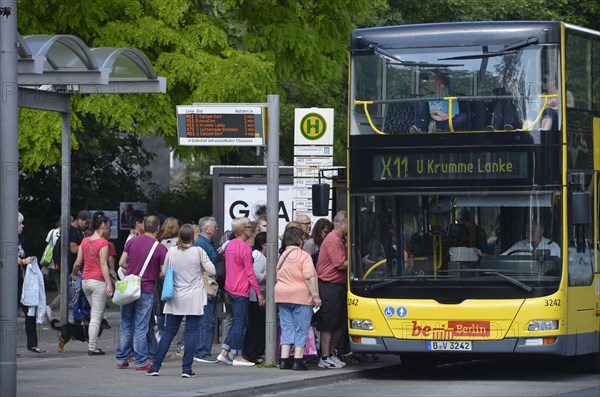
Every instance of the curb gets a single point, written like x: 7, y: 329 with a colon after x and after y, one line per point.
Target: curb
x: 333, y: 376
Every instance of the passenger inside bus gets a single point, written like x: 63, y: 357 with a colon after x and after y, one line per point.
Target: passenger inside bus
x: 506, y: 114
x: 533, y: 241
x: 550, y: 115
x: 475, y: 235
x: 432, y: 115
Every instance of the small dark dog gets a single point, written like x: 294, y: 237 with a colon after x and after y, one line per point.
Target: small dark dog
x: 71, y: 331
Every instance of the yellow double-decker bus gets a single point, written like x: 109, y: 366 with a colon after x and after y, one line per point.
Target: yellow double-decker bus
x: 473, y: 191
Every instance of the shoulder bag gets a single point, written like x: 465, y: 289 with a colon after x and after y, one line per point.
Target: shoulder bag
x: 210, y: 284
x: 47, y: 255
x: 168, y: 286
x: 130, y: 288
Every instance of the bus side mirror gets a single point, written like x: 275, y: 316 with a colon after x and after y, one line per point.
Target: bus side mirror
x: 580, y: 208
x: 320, y: 199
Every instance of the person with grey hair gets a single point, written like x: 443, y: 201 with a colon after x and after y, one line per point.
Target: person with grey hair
x: 331, y: 270
x: 206, y: 331
x: 305, y: 224
x: 533, y: 240
x: 30, y: 311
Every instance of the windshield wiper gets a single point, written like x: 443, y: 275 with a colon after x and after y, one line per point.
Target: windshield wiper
x: 378, y: 50
x: 401, y: 278
x: 511, y: 280
x: 510, y: 49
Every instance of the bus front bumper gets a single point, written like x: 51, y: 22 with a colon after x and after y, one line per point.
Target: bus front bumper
x: 375, y: 344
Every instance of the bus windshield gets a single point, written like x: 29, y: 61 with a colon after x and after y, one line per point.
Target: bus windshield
x: 456, y: 247
x: 495, y: 87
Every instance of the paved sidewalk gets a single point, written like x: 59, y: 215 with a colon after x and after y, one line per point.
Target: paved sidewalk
x: 74, y: 373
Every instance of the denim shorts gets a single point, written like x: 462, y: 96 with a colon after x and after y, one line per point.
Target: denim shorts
x: 295, y: 323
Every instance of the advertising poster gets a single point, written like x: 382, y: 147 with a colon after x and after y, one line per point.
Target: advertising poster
x: 251, y: 200
x: 113, y: 217
x: 126, y: 208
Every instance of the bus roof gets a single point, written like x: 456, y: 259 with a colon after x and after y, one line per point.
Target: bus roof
x: 453, y: 34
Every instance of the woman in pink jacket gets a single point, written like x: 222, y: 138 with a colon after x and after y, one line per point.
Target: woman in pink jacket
x: 239, y: 270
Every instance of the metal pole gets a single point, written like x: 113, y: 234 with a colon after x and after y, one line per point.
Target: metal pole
x: 65, y: 212
x: 9, y: 197
x: 272, y: 225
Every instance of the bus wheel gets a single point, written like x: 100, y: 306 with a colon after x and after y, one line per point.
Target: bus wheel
x: 589, y: 363
x: 417, y: 362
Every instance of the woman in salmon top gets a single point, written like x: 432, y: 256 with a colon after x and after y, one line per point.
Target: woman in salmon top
x: 96, y: 283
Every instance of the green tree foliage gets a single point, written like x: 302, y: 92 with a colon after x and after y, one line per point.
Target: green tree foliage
x: 105, y: 171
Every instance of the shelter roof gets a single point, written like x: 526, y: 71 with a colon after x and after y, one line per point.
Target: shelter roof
x: 65, y: 64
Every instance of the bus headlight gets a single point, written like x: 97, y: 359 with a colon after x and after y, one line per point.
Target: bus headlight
x: 361, y: 324
x: 543, y: 325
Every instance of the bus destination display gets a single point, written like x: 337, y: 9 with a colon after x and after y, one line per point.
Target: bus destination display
x: 460, y: 166
x: 220, y: 125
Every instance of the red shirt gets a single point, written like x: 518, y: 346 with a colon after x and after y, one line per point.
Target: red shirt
x: 331, y: 255
x: 92, y: 269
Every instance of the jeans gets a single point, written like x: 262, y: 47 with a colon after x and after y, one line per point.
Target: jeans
x: 295, y: 323
x: 96, y: 291
x: 81, y: 309
x: 135, y: 317
x: 191, y: 331
x: 234, y: 342
x: 206, y: 329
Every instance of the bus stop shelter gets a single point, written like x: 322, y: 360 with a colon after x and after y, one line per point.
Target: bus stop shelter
x: 42, y: 72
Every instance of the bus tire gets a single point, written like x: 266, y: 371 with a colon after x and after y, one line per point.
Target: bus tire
x: 417, y: 362
x: 589, y: 363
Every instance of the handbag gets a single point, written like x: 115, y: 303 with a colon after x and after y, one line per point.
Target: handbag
x: 210, y: 283
x: 168, y: 289
x: 310, y: 348
x: 130, y: 288
x: 48, y: 251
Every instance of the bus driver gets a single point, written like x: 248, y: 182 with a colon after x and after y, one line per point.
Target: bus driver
x: 534, y: 241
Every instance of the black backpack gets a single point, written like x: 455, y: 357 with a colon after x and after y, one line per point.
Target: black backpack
x: 220, y: 270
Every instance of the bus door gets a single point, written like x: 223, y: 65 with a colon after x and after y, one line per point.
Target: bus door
x: 583, y: 295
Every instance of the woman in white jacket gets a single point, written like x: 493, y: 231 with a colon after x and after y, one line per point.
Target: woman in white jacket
x: 188, y: 300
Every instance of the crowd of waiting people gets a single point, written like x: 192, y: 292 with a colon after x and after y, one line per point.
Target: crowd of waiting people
x: 310, y: 289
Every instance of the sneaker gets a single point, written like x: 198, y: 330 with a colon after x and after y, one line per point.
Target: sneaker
x: 224, y: 359
x: 152, y: 372
x: 240, y: 362
x: 339, y: 362
x: 413, y: 129
x: 328, y: 363
x: 144, y: 368
x: 490, y: 128
x: 187, y: 374
x: 122, y: 365
x: 508, y: 127
x: 48, y: 313
x: 206, y: 360
x: 180, y: 351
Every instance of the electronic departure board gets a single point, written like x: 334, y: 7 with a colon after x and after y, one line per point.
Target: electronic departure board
x: 220, y: 125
